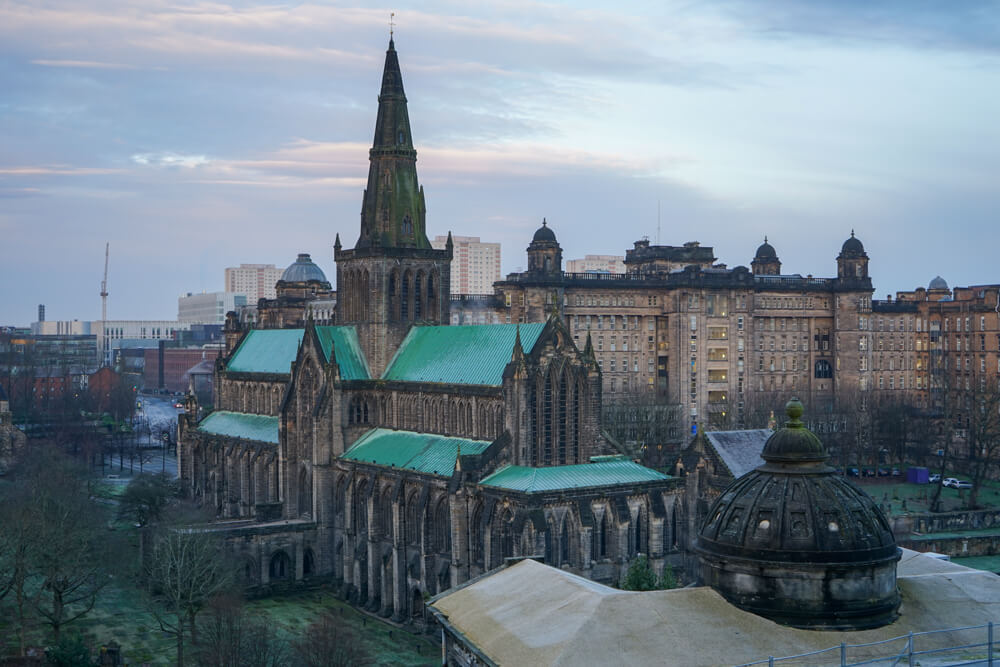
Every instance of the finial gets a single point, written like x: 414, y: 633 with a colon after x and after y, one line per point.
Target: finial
x: 543, y: 222
x: 794, y: 410
x: 852, y: 233
x: 765, y: 238
x: 392, y: 25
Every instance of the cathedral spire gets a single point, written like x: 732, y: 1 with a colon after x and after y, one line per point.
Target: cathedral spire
x: 392, y: 213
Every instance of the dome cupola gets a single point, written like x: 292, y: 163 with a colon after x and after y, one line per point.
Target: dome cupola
x: 853, y: 247
x: 938, y: 283
x: 544, y: 233
x: 303, y: 270
x: 765, y: 261
x: 795, y: 542
x: 544, y: 252
x: 765, y: 251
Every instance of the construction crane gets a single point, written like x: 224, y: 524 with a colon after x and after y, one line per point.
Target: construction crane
x: 104, y: 285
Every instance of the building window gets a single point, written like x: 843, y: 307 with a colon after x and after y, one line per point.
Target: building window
x: 823, y: 369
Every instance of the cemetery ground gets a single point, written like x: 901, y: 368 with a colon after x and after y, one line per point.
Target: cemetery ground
x: 122, y: 612
x: 120, y: 616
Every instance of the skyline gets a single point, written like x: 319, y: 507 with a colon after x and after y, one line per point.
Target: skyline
x: 238, y: 135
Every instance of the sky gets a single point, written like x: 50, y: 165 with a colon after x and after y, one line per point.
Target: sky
x: 193, y: 136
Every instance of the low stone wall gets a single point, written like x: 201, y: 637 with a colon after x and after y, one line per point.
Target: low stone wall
x: 958, y: 546
x: 945, y: 522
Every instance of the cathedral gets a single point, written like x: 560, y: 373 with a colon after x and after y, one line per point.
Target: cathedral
x: 394, y: 455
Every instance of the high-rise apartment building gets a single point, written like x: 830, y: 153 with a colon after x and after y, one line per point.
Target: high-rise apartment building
x: 255, y: 280
x: 475, y: 265
x: 596, y: 264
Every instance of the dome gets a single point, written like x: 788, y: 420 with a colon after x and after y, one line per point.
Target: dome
x: 938, y: 283
x: 795, y: 542
x: 852, y: 246
x: 303, y: 270
x: 766, y: 251
x: 544, y: 233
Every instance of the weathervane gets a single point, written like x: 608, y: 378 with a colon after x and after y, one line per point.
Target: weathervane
x: 392, y: 15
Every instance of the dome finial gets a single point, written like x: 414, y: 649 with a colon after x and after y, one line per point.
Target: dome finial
x: 852, y: 233
x: 765, y: 238
x: 794, y: 410
x: 544, y: 222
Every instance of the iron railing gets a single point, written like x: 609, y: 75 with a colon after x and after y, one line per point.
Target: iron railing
x: 906, y: 652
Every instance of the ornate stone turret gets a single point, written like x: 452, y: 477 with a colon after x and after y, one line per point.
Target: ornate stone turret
x: 795, y: 542
x: 852, y: 262
x: 765, y: 261
x: 544, y: 252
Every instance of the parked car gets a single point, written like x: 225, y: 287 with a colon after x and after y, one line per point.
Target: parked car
x: 178, y: 405
x: 934, y: 478
x: 896, y: 472
x: 868, y: 472
x: 953, y: 483
x: 853, y: 472
x: 883, y: 472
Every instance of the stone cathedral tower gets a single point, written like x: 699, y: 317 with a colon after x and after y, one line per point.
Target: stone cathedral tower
x: 392, y: 278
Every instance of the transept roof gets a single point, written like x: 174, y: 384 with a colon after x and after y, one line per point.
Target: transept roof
x: 474, y: 354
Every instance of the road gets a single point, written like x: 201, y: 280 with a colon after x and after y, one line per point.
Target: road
x: 161, y: 415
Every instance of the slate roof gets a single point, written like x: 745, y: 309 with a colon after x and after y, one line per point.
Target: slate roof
x: 262, y: 428
x: 611, y: 470
x: 344, y: 341
x: 474, y: 354
x: 422, y: 452
x: 739, y: 450
x: 266, y: 351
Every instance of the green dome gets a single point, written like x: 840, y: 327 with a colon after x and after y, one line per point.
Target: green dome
x: 794, y: 443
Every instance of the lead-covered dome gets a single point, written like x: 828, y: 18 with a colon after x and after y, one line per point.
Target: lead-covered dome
x: 765, y: 251
x: 938, y: 283
x: 852, y: 246
x: 303, y: 270
x: 544, y: 233
x: 797, y: 543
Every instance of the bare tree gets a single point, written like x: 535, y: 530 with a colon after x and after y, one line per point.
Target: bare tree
x: 330, y: 643
x: 52, y: 541
x: 230, y: 637
x: 982, y: 421
x: 186, y: 568
x: 644, y: 424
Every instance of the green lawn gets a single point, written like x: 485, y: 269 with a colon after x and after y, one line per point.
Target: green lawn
x: 119, y: 615
x: 899, y: 497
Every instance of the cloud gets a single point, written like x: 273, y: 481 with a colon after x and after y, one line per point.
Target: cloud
x: 91, y: 64
x: 963, y: 25
x: 168, y: 159
x: 56, y: 170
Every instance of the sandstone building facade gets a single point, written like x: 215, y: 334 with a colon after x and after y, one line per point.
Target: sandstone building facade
x: 725, y: 344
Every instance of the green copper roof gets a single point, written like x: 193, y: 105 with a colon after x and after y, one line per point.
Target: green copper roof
x: 474, y: 354
x: 423, y: 452
x: 557, y: 478
x: 241, y: 425
x: 344, y: 342
x: 266, y: 351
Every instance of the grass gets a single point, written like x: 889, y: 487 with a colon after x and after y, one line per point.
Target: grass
x: 898, y: 497
x: 120, y: 616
